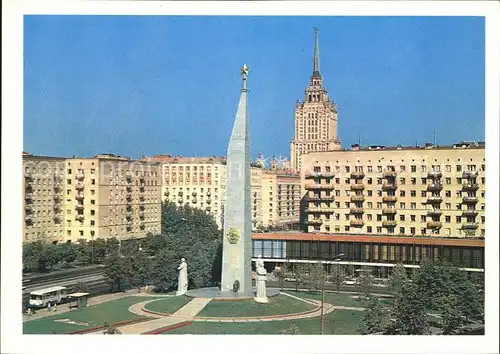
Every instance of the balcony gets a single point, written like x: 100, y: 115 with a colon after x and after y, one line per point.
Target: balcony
x: 357, y: 174
x: 141, y: 179
x: 57, y: 216
x: 57, y: 196
x: 389, y: 199
x: 434, y: 224
x: 470, y: 225
x: 316, y: 221
x: 208, y: 208
x: 312, y: 186
x: 57, y: 186
x: 79, y: 196
x: 28, y: 176
x: 142, y: 187
x: 327, y: 197
x: 28, y: 184
x: 28, y: 196
x: 194, y: 200
x: 470, y: 187
x: 357, y: 198
x: 28, y: 218
x: 387, y: 174
x: 389, y: 186
x: 79, y: 186
x: 469, y: 212
x: 434, y: 212
x: 58, y: 178
x: 434, y: 199
x: 434, y: 174
x: 208, y: 201
x: 312, y: 198
x: 79, y: 207
x: 142, y: 207
x: 389, y: 211
x: 129, y: 223
x: 471, y: 200
x: 208, y: 193
x: 57, y: 207
x: 28, y: 208
x: 141, y: 215
x: 327, y: 174
x: 141, y: 198
x: 79, y: 217
x: 357, y: 187
x: 435, y: 187
x: 357, y: 211
x: 129, y: 188
x: 129, y: 197
x: 80, y: 176
x: 194, y: 194
x: 469, y: 174
x: 389, y: 223
x: 180, y: 201
x: 309, y: 175
x: 356, y: 222
x: 128, y: 176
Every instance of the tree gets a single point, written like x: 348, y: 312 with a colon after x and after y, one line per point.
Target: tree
x: 31, y: 256
x: 164, y: 274
x: 300, y: 274
x: 83, y: 252
x: 365, y: 283
x: 292, y: 330
x: 317, y: 276
x: 398, y: 278
x: 375, y: 318
x: 338, y: 275
x: 143, y: 268
x: 81, y: 288
x: 281, y: 274
x: 409, y: 312
x: 115, y: 270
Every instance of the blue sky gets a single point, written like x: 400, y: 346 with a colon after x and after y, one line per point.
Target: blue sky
x: 135, y: 85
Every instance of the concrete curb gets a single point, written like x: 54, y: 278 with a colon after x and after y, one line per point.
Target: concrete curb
x: 169, y: 328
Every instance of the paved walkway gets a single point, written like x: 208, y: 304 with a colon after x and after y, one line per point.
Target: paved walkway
x: 187, y: 312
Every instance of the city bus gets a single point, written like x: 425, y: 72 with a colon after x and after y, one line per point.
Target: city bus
x: 53, y: 295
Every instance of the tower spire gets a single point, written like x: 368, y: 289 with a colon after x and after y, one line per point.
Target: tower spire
x: 316, y: 53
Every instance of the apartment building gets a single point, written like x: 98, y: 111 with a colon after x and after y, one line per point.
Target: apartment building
x: 419, y: 191
x: 196, y: 181
x: 43, y: 202
x: 86, y: 198
x: 315, y: 118
x: 256, y: 196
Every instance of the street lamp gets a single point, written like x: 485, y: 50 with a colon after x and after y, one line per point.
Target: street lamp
x: 337, y: 259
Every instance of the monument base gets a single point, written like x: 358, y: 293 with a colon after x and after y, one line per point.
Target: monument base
x: 217, y: 294
x: 262, y: 300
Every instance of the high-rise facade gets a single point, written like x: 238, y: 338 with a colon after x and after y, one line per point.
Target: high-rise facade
x: 67, y: 199
x: 199, y: 182
x: 315, y: 118
x: 413, y: 191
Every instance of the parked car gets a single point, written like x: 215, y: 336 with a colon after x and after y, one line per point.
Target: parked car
x: 290, y: 279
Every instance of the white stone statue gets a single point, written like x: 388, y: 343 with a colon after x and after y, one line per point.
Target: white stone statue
x: 182, y: 285
x: 261, y: 295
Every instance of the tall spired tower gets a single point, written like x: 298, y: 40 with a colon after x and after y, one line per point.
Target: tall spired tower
x: 315, y: 117
x: 237, y: 244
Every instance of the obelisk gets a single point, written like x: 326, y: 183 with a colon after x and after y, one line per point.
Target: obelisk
x: 237, y: 244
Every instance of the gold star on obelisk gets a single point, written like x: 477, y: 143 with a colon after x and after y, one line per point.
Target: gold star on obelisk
x: 244, y: 70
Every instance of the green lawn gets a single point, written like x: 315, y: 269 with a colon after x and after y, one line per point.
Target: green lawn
x: 278, y: 305
x: 111, y: 312
x: 341, y: 299
x: 168, y: 305
x: 337, y: 322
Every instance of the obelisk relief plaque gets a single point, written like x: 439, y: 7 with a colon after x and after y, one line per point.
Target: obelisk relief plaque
x: 237, y: 245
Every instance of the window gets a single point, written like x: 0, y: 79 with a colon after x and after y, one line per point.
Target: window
x: 402, y: 168
x: 92, y: 201
x: 346, y: 228
x: 413, y: 180
x: 370, y: 180
x: 92, y: 212
x: 448, y: 206
x: 81, y: 232
x: 379, y: 180
x: 413, y: 193
x: 402, y: 217
x: 412, y: 230
x: 369, y: 217
x: 423, y: 231
x: 92, y: 223
x: 424, y: 168
x: 370, y: 193
x: 422, y: 218
x: 447, y: 219
x: 448, y: 168
x: 402, y: 180
x: 459, y: 168
x: 68, y: 181
x: 92, y: 181
x: 448, y: 180
x: 370, y: 169
x: 379, y: 205
x: 92, y: 191
x: 401, y: 230
x: 347, y: 169
x: 346, y: 216
x: 379, y: 229
x: 424, y: 180
x: 423, y: 193
x: 413, y: 205
x: 379, y: 193
x: 458, y: 219
x: 69, y: 171
x: 369, y: 229
x: 347, y: 181
x: 379, y: 217
x: 347, y: 204
x: 402, y: 193
x: 370, y: 205
x: 447, y: 194
x: 402, y: 205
